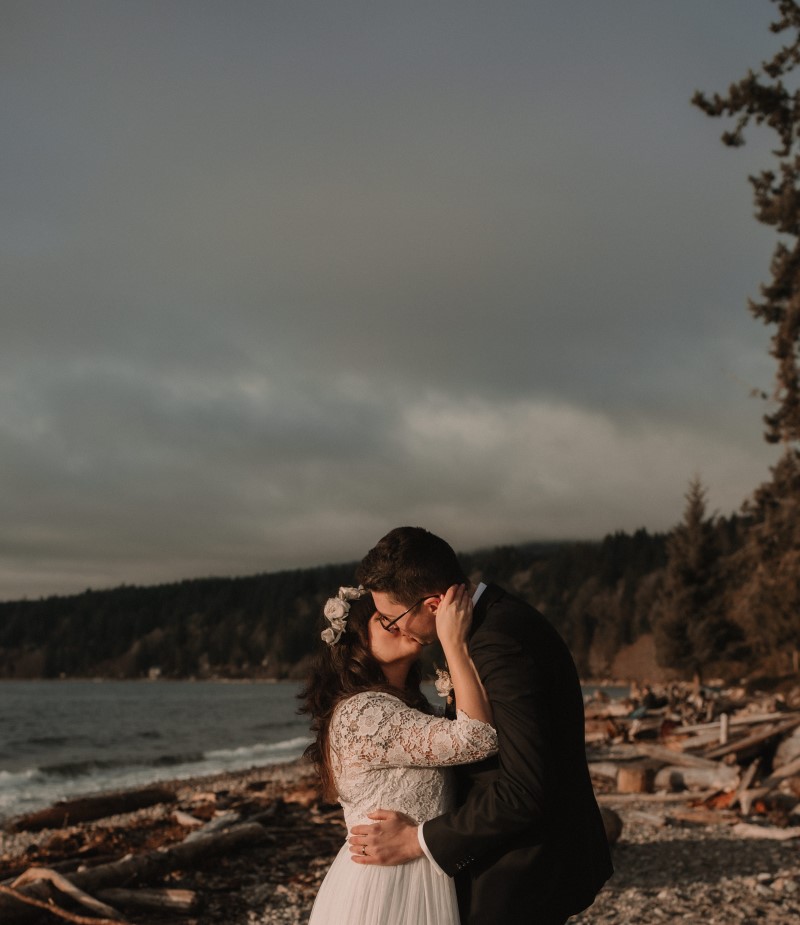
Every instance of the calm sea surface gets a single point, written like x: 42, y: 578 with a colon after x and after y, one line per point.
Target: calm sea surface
x: 63, y: 738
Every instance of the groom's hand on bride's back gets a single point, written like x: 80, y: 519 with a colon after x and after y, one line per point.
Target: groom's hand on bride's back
x: 390, y: 840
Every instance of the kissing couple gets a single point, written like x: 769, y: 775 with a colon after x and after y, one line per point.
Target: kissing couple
x: 486, y: 816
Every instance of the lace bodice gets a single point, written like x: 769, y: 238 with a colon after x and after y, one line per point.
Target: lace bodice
x: 386, y: 755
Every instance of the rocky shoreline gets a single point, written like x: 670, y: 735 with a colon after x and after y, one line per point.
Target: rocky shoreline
x: 271, y: 880
x: 669, y: 868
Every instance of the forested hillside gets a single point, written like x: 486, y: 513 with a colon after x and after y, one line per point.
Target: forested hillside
x: 694, y: 591
x: 600, y: 596
x: 264, y: 625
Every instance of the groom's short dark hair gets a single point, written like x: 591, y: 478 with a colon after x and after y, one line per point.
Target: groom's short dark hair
x: 408, y: 563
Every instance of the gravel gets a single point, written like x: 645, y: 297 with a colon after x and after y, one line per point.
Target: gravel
x: 667, y: 870
x: 672, y: 872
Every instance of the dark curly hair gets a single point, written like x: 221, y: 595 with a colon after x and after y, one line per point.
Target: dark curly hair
x: 338, y: 672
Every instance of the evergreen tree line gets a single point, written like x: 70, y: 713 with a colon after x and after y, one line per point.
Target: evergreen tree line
x: 602, y: 596
x: 268, y: 625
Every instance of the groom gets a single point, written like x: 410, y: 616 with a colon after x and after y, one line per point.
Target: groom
x: 526, y: 842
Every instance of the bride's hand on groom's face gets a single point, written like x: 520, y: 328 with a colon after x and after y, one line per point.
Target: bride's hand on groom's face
x: 391, y: 840
x: 454, y: 617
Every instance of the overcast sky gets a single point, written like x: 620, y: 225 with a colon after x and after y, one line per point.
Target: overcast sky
x: 277, y: 277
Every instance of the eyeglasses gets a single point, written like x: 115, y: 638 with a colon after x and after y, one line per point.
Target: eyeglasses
x: 388, y: 623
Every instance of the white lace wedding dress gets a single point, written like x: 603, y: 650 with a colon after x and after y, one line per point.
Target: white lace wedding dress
x: 386, y: 755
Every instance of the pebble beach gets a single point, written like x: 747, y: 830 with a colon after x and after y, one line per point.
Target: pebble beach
x: 667, y: 869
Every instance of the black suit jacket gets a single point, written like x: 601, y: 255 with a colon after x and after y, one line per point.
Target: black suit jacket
x: 527, y: 843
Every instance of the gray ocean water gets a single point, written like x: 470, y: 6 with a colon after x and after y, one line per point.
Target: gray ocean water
x: 60, y: 739
x: 63, y: 738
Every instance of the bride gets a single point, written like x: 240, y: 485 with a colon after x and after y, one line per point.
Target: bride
x: 378, y: 745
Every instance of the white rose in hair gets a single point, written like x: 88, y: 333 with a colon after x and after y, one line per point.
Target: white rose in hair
x: 330, y: 636
x: 335, y: 609
x: 351, y: 594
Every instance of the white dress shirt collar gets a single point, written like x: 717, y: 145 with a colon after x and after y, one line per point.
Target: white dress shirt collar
x: 478, y: 591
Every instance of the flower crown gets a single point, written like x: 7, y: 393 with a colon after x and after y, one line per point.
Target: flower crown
x: 336, y: 611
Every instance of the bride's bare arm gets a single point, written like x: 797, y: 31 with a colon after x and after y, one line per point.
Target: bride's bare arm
x: 453, y: 620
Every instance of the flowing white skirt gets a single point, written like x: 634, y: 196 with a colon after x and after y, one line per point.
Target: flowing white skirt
x: 363, y: 894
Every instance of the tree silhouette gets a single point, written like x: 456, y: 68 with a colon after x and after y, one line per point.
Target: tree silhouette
x: 764, y: 98
x: 768, y: 601
x: 691, y: 629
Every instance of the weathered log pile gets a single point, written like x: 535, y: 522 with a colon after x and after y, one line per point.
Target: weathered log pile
x: 158, y: 861
x: 734, y: 756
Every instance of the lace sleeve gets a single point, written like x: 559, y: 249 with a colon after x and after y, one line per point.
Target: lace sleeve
x: 379, y: 729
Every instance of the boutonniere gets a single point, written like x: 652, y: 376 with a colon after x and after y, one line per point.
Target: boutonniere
x: 443, y: 683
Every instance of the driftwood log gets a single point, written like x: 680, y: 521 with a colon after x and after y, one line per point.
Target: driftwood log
x: 150, y: 900
x: 672, y: 757
x: 143, y: 867
x: 683, y: 796
x: 748, y: 796
x: 42, y: 875
x: 606, y: 769
x: 748, y: 830
x: 773, y: 730
x: 34, y: 906
x: 788, y: 750
x: 636, y: 777
x: 721, y: 777
x: 87, y: 809
x: 752, y: 719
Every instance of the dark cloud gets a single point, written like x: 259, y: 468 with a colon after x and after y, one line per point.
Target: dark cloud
x: 279, y: 276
